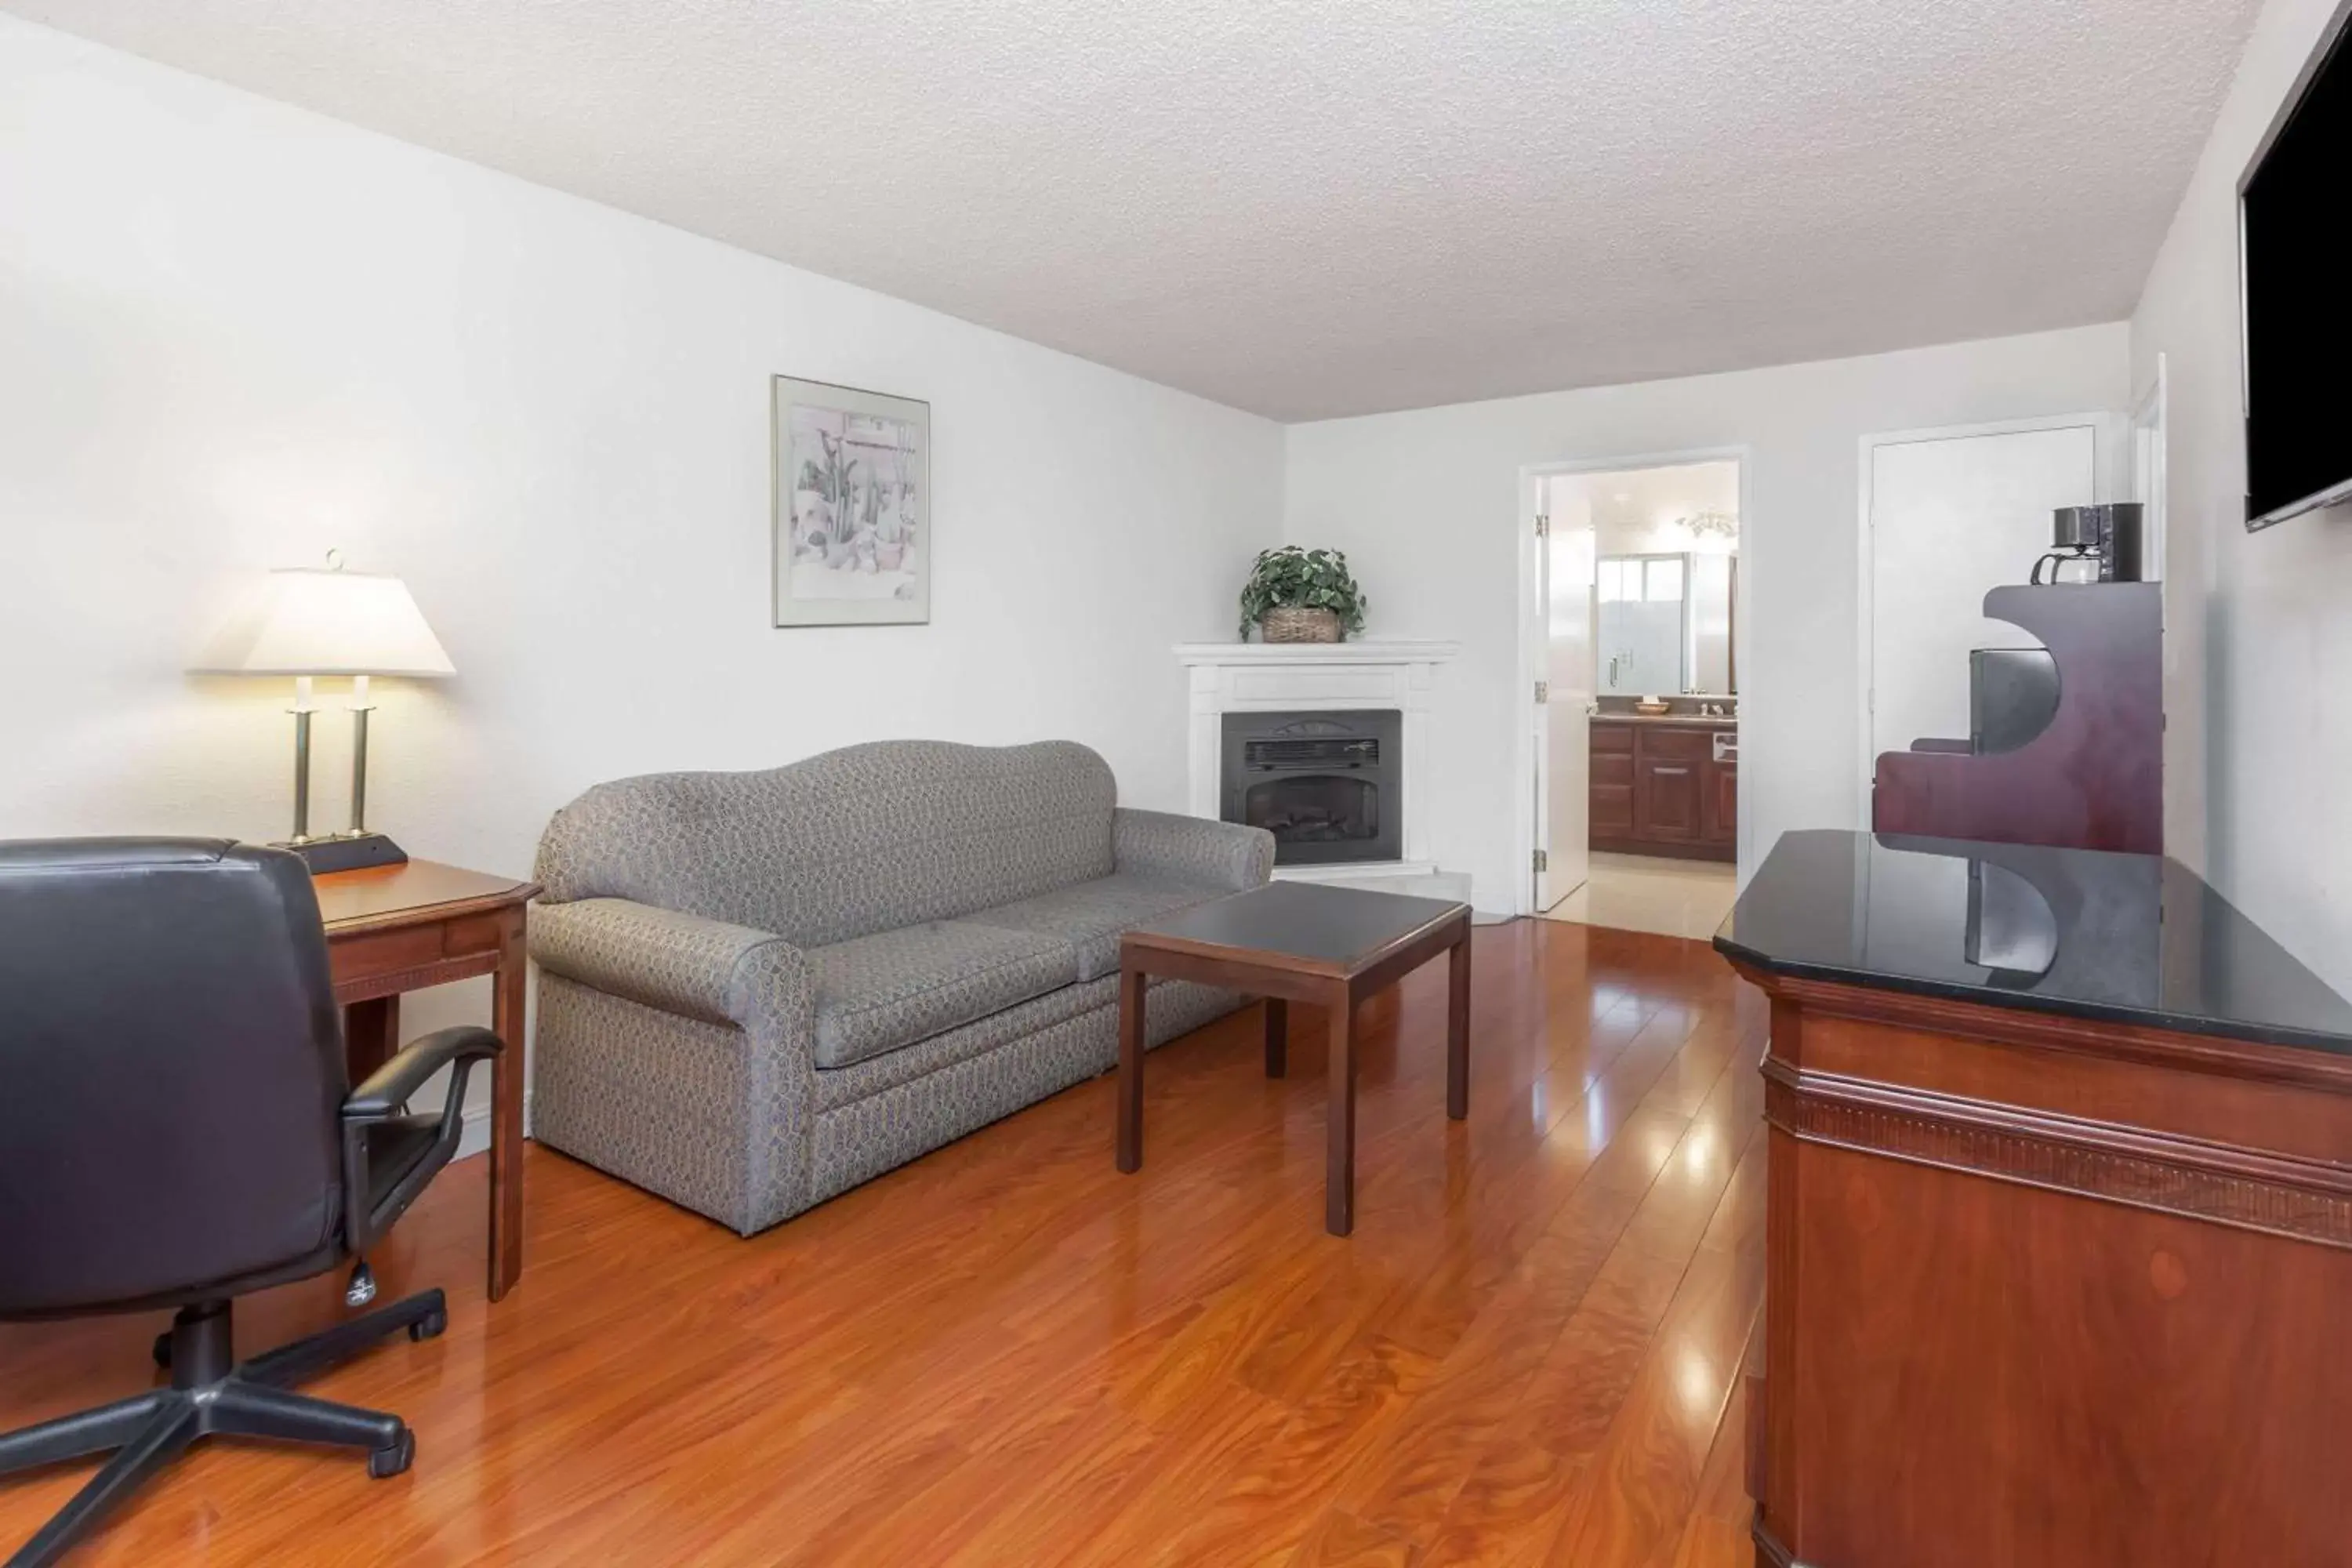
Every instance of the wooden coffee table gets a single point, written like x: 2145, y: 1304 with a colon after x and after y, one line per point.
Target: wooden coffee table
x: 1299, y: 942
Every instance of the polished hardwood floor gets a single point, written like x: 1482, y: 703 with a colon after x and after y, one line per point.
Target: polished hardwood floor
x: 1008, y: 1352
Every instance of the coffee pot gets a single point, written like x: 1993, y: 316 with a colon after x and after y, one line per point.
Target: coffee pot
x: 2092, y: 545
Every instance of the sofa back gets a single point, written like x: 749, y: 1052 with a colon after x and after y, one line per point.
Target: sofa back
x: 866, y: 839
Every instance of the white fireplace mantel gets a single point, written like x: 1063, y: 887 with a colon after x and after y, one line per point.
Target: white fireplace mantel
x: 1405, y: 651
x: 1258, y: 678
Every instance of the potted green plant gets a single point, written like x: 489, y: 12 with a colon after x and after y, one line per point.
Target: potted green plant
x: 1301, y: 596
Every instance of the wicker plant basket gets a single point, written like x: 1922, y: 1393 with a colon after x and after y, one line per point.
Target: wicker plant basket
x: 1296, y: 623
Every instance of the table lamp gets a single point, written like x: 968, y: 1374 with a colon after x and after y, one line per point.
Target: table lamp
x: 310, y: 622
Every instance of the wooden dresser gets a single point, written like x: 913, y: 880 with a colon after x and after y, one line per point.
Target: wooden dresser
x: 2058, y: 1219
x: 1666, y: 785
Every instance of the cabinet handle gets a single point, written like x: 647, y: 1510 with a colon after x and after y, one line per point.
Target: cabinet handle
x: 1676, y: 773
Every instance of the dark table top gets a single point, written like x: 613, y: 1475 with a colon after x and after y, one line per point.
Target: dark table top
x: 1339, y: 931
x: 2131, y: 939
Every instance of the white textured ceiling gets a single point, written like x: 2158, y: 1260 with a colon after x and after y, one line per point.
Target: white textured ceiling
x: 1313, y: 207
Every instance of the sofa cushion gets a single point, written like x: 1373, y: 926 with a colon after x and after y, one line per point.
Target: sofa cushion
x: 865, y: 839
x: 1091, y: 915
x: 877, y: 993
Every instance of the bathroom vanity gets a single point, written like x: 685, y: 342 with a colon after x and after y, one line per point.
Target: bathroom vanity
x: 1665, y: 784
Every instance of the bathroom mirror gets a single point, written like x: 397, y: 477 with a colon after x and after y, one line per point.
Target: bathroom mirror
x: 1664, y: 624
x: 1643, y: 625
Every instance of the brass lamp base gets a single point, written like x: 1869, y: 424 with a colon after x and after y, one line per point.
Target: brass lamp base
x: 348, y: 852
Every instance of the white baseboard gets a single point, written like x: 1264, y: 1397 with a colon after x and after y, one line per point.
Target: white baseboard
x: 1346, y: 871
x: 476, y: 1139
x: 1414, y: 879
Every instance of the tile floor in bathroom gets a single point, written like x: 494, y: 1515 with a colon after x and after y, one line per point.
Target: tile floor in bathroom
x: 1651, y: 893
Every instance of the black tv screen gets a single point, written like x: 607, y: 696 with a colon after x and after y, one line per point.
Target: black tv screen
x: 2295, y: 211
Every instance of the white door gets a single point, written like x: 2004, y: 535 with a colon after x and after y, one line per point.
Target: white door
x: 1948, y: 516
x: 1564, y: 807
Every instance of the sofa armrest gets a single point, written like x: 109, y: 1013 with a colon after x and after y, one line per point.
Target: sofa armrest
x: 679, y: 962
x: 1192, y: 849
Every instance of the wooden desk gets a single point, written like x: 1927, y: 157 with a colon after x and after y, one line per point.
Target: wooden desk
x: 392, y: 929
x: 1299, y: 942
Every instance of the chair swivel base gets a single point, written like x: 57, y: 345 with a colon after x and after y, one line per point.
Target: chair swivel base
x: 210, y: 1396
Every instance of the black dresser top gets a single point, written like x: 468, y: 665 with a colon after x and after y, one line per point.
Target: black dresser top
x: 2131, y: 939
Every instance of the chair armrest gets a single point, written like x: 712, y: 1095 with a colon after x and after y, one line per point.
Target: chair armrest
x: 389, y: 1089
x: 662, y: 958
x: 1192, y: 849
x: 369, y: 1210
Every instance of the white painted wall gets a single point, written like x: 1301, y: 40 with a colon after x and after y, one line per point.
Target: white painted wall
x: 234, y: 333
x: 1427, y: 505
x: 2258, y: 740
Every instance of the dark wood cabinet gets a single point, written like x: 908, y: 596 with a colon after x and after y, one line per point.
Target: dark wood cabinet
x: 1668, y: 765
x: 1665, y: 803
x: 1612, y: 766
x: 1720, y: 822
x: 1659, y: 789
x: 2047, y: 1292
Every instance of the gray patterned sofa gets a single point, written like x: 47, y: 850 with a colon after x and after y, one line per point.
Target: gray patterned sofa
x: 757, y: 990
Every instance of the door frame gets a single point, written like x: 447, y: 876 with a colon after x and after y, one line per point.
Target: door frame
x: 2147, y: 457
x: 2110, y: 479
x: 1528, y: 761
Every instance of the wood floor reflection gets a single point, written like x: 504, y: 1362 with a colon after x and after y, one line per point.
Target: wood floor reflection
x: 1009, y: 1353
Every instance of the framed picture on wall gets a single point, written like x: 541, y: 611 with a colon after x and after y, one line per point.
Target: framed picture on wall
x: 853, y: 506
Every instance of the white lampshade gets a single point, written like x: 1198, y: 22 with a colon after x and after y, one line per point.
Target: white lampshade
x: 311, y: 622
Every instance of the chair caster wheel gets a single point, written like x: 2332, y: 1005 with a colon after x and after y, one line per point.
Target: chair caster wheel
x: 163, y: 1350
x: 431, y: 1326
x: 383, y: 1463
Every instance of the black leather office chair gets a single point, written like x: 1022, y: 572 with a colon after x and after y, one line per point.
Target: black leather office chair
x: 176, y: 1129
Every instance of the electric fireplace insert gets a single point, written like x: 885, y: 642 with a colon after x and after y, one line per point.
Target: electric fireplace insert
x: 1328, y: 785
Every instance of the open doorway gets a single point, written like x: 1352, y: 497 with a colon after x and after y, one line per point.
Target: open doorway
x: 1637, y: 630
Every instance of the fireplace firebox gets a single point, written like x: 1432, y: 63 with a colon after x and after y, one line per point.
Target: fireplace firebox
x: 1326, y: 785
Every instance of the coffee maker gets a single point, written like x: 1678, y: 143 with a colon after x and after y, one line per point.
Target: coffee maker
x: 2092, y: 545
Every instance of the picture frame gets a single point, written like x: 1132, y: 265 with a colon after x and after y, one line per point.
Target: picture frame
x: 851, y: 515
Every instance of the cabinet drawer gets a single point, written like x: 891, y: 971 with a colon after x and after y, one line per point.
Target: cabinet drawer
x: 1610, y: 810
x: 1676, y: 745
x: 1613, y: 769
x: 369, y: 954
x: 1613, y: 738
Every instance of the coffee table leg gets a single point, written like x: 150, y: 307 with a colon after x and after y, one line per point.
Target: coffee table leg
x: 1457, y: 1030
x: 1130, y: 1069
x: 1340, y: 1170
x: 1277, y: 1037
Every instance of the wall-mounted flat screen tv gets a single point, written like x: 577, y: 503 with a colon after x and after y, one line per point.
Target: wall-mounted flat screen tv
x: 2295, y: 210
